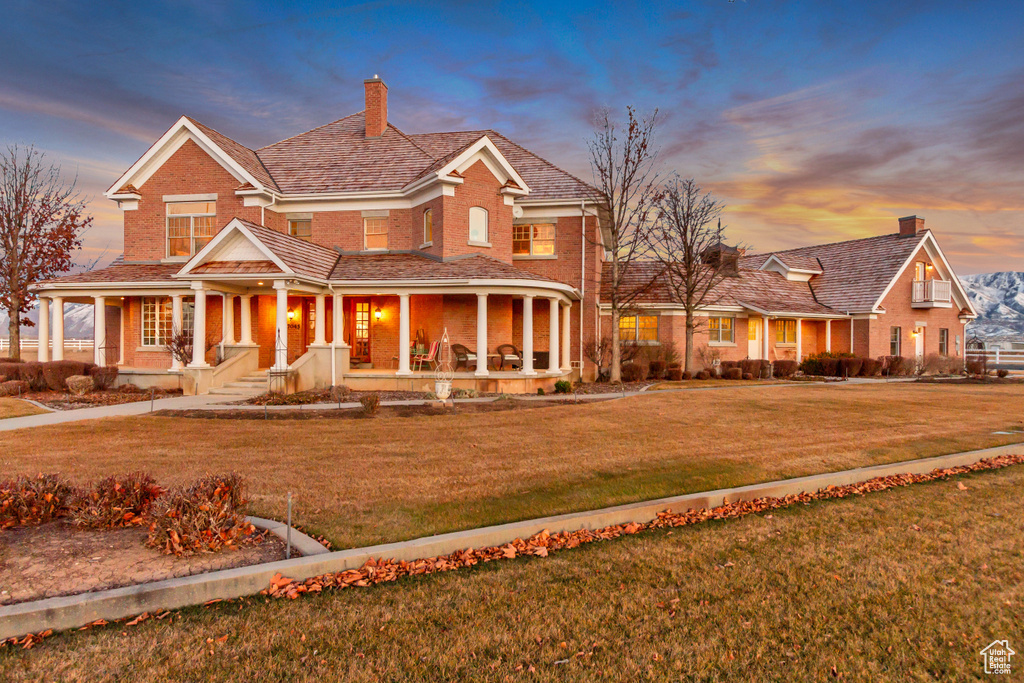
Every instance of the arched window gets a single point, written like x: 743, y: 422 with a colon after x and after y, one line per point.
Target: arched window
x: 478, y: 225
x: 428, y: 226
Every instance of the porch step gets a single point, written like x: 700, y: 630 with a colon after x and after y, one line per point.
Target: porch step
x: 235, y: 391
x: 252, y: 384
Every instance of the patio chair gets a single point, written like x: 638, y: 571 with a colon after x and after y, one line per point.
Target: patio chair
x: 429, y: 358
x: 509, y: 355
x: 463, y: 356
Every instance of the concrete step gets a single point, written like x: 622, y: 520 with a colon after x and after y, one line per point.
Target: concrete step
x: 255, y: 386
x: 235, y: 391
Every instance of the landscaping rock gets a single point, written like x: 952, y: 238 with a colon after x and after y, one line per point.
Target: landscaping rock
x: 79, y: 385
x: 14, y: 387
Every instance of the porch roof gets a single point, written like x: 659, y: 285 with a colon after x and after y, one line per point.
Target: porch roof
x: 119, y: 272
x: 412, y: 266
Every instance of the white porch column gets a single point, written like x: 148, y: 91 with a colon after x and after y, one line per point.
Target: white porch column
x: 799, y: 339
x: 319, y: 335
x: 228, y: 320
x: 528, y: 335
x: 566, y: 346
x: 851, y: 335
x: 44, y: 329
x: 58, y: 328
x: 99, y: 330
x: 281, y: 329
x: 245, y: 320
x: 338, y: 320
x: 120, y: 348
x: 403, y: 335
x: 481, y: 335
x: 553, y: 364
x: 199, y: 327
x: 177, y: 326
x: 828, y: 335
x: 764, y: 337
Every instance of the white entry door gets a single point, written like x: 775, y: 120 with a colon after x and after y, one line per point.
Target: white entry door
x: 919, y: 343
x: 753, y: 338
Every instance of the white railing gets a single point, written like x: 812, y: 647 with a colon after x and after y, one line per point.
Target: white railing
x: 926, y: 291
x: 75, y: 344
x: 997, y: 356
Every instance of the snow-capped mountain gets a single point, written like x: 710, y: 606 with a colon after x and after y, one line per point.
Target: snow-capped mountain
x: 77, y: 322
x: 999, y: 298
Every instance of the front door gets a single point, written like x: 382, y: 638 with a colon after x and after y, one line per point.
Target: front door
x: 753, y: 338
x: 359, y: 338
x: 919, y: 344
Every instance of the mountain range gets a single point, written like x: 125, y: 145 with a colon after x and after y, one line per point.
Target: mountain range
x: 77, y: 322
x: 999, y: 299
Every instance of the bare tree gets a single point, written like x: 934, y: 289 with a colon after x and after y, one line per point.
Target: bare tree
x: 689, y: 247
x: 42, y: 218
x: 625, y: 179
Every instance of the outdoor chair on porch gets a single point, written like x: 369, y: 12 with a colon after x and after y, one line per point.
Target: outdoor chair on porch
x: 429, y: 358
x: 509, y: 355
x: 463, y: 356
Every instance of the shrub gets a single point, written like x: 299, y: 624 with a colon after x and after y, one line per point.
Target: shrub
x: 733, y: 373
x: 56, y: 373
x: 727, y: 365
x: 656, y: 369
x: 371, y: 404
x: 103, y: 377
x: 563, y: 386
x: 14, y: 387
x: 748, y: 375
x: 830, y: 367
x: 540, y: 391
x: 1002, y: 372
x: 937, y: 364
x: 870, y: 367
x: 687, y: 375
x: 79, y: 385
x: 464, y: 393
x: 897, y: 366
x: 205, y: 517
x: 339, y: 393
x: 12, y: 370
x: 975, y: 367
x: 117, y: 502
x: 784, y: 368
x: 850, y: 367
x: 34, y: 500
x: 757, y: 368
x: 32, y: 372
x: 703, y: 374
x: 633, y: 372
x: 674, y: 364
x: 824, y: 363
x: 674, y: 374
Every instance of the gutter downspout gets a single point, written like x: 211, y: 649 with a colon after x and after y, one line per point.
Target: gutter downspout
x: 583, y: 274
x: 334, y: 329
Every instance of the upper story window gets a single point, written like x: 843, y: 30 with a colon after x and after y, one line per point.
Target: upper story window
x: 895, y: 341
x: 638, y: 328
x: 478, y: 225
x: 190, y: 225
x: 375, y: 233
x: 533, y: 240
x: 720, y: 330
x: 301, y: 228
x: 785, y: 332
x: 428, y: 226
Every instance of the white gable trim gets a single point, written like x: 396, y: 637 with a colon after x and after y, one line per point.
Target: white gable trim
x: 169, y: 143
x: 931, y: 247
x: 482, y: 150
x: 232, y: 228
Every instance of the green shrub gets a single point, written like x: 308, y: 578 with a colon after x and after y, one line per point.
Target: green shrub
x: 103, y: 377
x: 563, y: 386
x: 784, y: 368
x: 207, y: 516
x: 633, y: 372
x: 56, y: 373
x: 117, y: 501
x: 540, y: 391
x: 674, y: 374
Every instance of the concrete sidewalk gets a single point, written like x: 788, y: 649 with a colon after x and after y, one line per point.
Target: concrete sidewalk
x: 137, y: 408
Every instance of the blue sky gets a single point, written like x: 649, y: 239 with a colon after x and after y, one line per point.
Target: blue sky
x: 813, y: 121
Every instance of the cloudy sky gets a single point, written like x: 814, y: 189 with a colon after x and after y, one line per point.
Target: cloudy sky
x: 813, y: 121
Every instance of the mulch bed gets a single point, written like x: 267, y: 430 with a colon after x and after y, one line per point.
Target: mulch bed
x: 94, y: 399
x: 430, y: 410
x: 58, y: 558
x: 590, y: 388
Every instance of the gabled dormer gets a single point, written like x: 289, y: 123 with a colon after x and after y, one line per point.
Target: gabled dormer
x: 793, y: 267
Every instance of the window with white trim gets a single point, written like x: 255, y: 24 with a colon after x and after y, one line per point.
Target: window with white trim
x: 478, y: 224
x: 895, y: 340
x: 376, y: 233
x: 533, y: 240
x: 428, y: 226
x: 785, y: 331
x: 720, y: 330
x: 944, y: 341
x: 158, y: 320
x: 190, y: 225
x: 638, y: 328
x: 301, y: 228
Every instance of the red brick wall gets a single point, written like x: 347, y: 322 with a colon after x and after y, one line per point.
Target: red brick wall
x: 479, y: 189
x: 190, y: 170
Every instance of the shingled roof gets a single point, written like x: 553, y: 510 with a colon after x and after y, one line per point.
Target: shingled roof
x: 118, y: 272
x: 420, y: 267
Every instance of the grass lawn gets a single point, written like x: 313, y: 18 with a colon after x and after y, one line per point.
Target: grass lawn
x: 13, y: 407
x: 907, y: 584
x: 383, y: 479
x: 710, y: 384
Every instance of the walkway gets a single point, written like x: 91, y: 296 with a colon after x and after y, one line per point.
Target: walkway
x: 137, y: 408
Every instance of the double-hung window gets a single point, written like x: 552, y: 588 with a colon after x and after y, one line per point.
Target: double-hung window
x: 376, y: 233
x: 301, y: 228
x: 944, y: 341
x: 478, y: 225
x: 785, y: 332
x: 895, y: 345
x: 190, y: 225
x: 158, y: 320
x: 428, y: 226
x: 533, y: 240
x: 638, y: 328
x: 720, y: 330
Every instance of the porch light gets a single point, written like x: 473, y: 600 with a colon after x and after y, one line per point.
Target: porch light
x: 260, y: 283
x: 377, y: 313
x: 292, y: 314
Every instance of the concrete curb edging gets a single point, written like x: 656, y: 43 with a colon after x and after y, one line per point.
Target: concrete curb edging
x: 304, y: 544
x: 77, y: 610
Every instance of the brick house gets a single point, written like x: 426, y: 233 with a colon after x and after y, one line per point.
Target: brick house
x: 893, y: 294
x: 338, y: 255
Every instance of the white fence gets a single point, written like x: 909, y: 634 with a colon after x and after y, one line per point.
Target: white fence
x: 997, y: 356
x: 29, y: 344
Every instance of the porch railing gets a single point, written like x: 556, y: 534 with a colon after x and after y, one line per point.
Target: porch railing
x: 931, y: 291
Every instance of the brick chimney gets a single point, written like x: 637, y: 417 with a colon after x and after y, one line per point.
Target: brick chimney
x: 909, y: 225
x: 376, y: 106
